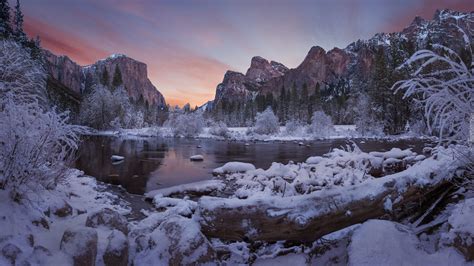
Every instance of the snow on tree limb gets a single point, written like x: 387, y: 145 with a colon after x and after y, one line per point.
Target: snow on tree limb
x: 444, y: 85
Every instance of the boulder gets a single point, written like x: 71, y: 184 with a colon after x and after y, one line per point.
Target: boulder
x: 11, y: 252
x: 108, y: 218
x: 62, y: 211
x: 177, y: 241
x: 40, y: 255
x: 187, y: 243
x: 116, y: 253
x: 81, y: 245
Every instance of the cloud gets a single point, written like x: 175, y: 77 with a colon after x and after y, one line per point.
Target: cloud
x: 63, y: 43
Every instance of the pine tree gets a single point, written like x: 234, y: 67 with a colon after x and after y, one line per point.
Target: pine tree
x: 379, y: 88
x: 317, y: 98
x: 105, y: 77
x: 293, y: 110
x: 304, y: 103
x: 117, y: 80
x: 19, y: 34
x: 5, y: 27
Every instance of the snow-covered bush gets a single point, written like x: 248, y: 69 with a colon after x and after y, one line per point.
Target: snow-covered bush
x: 20, y: 74
x: 266, y: 123
x: 294, y: 128
x: 34, y: 145
x: 96, y: 109
x: 103, y: 109
x: 366, y: 123
x: 444, y: 85
x: 219, y: 129
x: 35, y: 141
x: 185, y: 124
x: 321, y: 125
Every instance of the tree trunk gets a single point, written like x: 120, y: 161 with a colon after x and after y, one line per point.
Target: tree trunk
x: 307, y: 218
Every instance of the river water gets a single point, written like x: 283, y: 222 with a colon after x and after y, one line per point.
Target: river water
x: 152, y: 163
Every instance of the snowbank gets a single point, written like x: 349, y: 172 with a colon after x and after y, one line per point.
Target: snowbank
x: 233, y: 167
x: 245, y: 134
x: 190, y: 188
x: 378, y: 242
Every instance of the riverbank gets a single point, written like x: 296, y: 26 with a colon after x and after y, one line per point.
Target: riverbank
x: 286, y: 213
x: 245, y: 134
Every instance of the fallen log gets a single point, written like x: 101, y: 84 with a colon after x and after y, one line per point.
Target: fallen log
x: 307, y: 218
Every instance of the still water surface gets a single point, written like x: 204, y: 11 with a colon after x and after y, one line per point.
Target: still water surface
x: 152, y: 163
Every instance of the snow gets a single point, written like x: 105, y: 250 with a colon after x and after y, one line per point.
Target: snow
x: 244, y: 134
x: 195, y: 187
x: 79, y: 191
x: 378, y: 242
x: 461, y: 222
x: 387, y: 205
x: 196, y: 158
x: 117, y: 158
x: 290, y: 259
x: 299, y: 187
x: 234, y: 167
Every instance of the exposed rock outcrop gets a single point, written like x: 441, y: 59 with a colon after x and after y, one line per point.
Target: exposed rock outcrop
x: 116, y: 253
x: 68, y: 81
x: 81, y: 245
x: 108, y: 218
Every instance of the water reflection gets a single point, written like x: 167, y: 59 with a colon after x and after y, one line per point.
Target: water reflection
x: 152, y: 163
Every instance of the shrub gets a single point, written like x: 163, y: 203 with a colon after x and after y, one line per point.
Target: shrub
x: 219, y: 129
x: 266, y: 123
x: 294, y: 127
x: 35, y: 141
x: 185, y: 124
x: 321, y: 125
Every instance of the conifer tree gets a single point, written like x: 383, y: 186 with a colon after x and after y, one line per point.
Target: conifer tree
x: 5, y: 27
x: 19, y: 34
x: 117, y: 80
x: 105, y: 77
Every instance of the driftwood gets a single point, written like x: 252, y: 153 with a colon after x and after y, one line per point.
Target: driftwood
x: 307, y: 218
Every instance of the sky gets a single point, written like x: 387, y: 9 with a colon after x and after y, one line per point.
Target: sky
x: 189, y: 45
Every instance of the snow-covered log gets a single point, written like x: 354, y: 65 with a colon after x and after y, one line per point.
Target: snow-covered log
x: 311, y: 216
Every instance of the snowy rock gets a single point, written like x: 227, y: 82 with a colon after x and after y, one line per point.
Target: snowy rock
x: 40, y: 255
x: 197, y: 158
x: 116, y: 158
x: 289, y: 259
x: 81, y: 245
x: 378, y: 242
x: 393, y: 165
x: 63, y: 211
x: 108, y: 218
x: 116, y: 253
x: 461, y: 232
x: 177, y: 241
x: 233, y: 167
x: 314, y: 160
x: 11, y: 253
x: 187, y: 243
x: 195, y: 188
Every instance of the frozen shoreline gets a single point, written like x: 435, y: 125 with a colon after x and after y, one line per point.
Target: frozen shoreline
x: 240, y: 134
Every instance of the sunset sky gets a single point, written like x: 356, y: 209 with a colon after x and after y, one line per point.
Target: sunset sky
x: 188, y: 45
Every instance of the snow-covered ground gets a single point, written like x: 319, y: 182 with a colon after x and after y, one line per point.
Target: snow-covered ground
x: 80, y: 222
x: 245, y: 134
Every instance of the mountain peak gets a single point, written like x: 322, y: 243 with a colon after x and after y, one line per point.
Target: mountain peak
x: 261, y: 70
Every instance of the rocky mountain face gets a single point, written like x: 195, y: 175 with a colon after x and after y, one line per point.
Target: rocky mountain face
x: 239, y: 86
x: 134, y: 77
x: 330, y: 79
x: 67, y: 77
